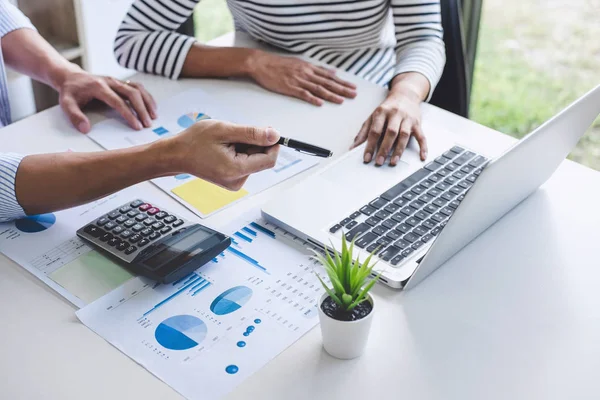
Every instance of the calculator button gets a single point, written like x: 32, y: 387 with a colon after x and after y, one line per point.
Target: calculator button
x: 137, y: 227
x: 124, y: 209
x: 140, y: 217
x: 126, y: 233
x: 157, y: 226
x: 152, y: 211
x: 93, y: 230
x: 110, y: 225
x: 155, y: 235
x: 129, y: 223
x: 135, y: 238
x: 114, y: 214
x: 102, y: 221
x: 137, y: 203
x: 113, y: 242
x: 145, y: 207
x: 132, y: 213
x: 178, y: 223
x: 149, y: 221
x: 161, y: 215
x: 106, y: 237
x: 146, y: 232
x: 118, y: 230
x: 122, y: 246
x: 170, y: 218
x: 166, y: 229
x: 130, y: 250
x: 121, y: 219
x: 143, y: 242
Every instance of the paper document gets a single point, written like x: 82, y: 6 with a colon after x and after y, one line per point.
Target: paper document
x: 46, y: 245
x: 206, y: 333
x: 179, y: 113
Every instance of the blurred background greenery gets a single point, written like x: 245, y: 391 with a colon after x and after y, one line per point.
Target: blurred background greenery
x: 533, y: 58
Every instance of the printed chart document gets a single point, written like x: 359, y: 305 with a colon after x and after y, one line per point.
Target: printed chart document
x: 206, y: 333
x: 46, y: 245
x: 178, y: 113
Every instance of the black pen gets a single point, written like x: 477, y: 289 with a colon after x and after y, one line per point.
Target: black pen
x: 304, y: 147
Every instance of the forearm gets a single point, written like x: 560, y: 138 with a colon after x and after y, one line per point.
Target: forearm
x: 28, y: 52
x: 412, y: 84
x: 50, y: 182
x: 218, y: 62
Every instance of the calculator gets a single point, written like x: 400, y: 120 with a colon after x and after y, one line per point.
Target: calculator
x: 153, y: 242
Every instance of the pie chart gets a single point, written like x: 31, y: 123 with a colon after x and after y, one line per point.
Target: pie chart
x: 231, y: 300
x: 35, y: 223
x: 180, y: 332
x: 187, y: 120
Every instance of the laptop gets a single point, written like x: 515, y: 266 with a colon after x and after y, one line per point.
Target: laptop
x: 428, y: 213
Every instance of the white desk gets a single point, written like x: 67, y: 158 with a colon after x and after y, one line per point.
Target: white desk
x: 515, y: 315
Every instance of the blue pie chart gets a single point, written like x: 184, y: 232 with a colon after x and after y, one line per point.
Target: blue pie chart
x: 231, y: 300
x: 189, y: 119
x: 180, y: 332
x: 35, y: 223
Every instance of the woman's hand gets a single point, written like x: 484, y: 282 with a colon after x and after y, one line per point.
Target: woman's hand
x: 297, y: 78
x: 223, y: 153
x: 396, y: 119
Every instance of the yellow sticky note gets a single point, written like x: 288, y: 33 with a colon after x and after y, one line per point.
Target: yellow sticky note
x: 207, y: 197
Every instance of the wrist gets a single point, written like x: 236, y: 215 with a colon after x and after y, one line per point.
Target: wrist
x: 58, y: 74
x: 164, y: 157
x: 250, y: 61
x: 410, y: 85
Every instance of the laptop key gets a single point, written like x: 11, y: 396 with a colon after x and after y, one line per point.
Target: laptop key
x: 391, y: 208
x: 477, y: 161
x: 451, y: 167
x: 417, y: 204
x: 421, y: 215
x: 389, y: 223
x: 465, y: 184
x: 379, y: 230
x: 401, y: 187
x: 394, y: 235
x: 441, y: 160
x: 384, y: 241
x: 425, y: 198
x: 447, y: 210
x: 410, y: 237
x: 427, y: 238
x: 449, y: 154
x: 345, y: 221
x: 417, y: 245
x: 440, y: 202
x: 388, y: 253
x: 355, y: 214
x: 365, y: 239
x: 399, y: 217
x: 402, y: 243
x: 451, y: 180
x: 438, y: 217
x: 420, y: 230
x: 436, y: 230
x: 433, y: 166
x: 458, y: 175
x: 372, y: 221
x: 407, y: 252
x: 456, y: 190
x: 448, y: 196
x: 418, y: 189
x: 434, y: 178
x: 381, y: 214
x: 430, y: 208
x: 429, y: 223
x: 457, y: 149
x: 472, y: 178
x: 478, y: 171
x: 407, y: 211
x: 403, y: 228
x: 357, y: 231
x: 442, y: 173
x: 367, y: 210
x: 434, y: 193
x: 442, y: 186
x: 400, y: 202
x: 378, y: 203
x: 396, y: 260
x: 351, y: 225
x: 409, y: 195
x: 375, y: 248
x: 426, y: 184
x: 412, y: 221
x: 454, y: 204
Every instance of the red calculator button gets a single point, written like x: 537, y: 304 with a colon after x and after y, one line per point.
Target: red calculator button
x: 145, y: 207
x: 153, y: 211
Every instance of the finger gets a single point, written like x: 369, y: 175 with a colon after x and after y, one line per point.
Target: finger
x: 422, y: 140
x: 303, y: 94
x: 362, y: 134
x: 375, y: 131
x: 334, y: 87
x: 148, y: 99
x: 134, y: 97
x: 391, y: 134
x: 321, y: 92
x: 259, y: 161
x: 108, y: 96
x: 403, y: 137
x: 251, y: 135
x: 330, y: 73
x: 76, y: 116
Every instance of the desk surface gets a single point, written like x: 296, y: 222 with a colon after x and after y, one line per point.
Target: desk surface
x: 516, y: 314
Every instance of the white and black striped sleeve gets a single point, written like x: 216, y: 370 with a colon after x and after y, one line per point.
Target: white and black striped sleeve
x: 419, y: 39
x: 146, y: 40
x: 9, y: 206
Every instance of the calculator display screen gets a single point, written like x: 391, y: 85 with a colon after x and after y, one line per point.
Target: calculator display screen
x: 182, y: 247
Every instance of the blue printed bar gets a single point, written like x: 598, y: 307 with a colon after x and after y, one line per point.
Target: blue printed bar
x: 171, y: 297
x: 204, y: 286
x: 246, y: 258
x: 243, y: 237
x: 262, y: 229
x: 250, y: 231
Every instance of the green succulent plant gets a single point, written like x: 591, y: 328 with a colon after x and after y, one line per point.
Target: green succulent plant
x: 349, y: 278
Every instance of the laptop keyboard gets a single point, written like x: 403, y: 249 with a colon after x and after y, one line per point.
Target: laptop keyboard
x: 406, y: 217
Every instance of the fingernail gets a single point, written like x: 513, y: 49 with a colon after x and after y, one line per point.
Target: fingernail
x: 395, y: 160
x: 148, y: 123
x: 272, y: 135
x: 83, y: 127
x: 380, y: 160
x: 368, y: 157
x: 138, y: 125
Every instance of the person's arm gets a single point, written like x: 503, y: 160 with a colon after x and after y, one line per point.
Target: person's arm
x: 147, y: 41
x: 421, y: 56
x: 29, y: 53
x: 49, y: 182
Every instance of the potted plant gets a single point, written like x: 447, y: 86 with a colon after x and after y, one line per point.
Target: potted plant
x: 346, y: 308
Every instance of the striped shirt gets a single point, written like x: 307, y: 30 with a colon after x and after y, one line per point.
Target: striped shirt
x: 10, y: 19
x: 374, y: 39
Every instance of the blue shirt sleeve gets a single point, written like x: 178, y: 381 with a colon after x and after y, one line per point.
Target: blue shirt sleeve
x: 11, y: 18
x: 9, y: 206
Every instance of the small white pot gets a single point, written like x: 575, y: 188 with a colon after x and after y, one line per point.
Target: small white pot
x: 345, y: 339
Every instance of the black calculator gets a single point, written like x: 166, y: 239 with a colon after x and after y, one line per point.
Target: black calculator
x: 153, y: 242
